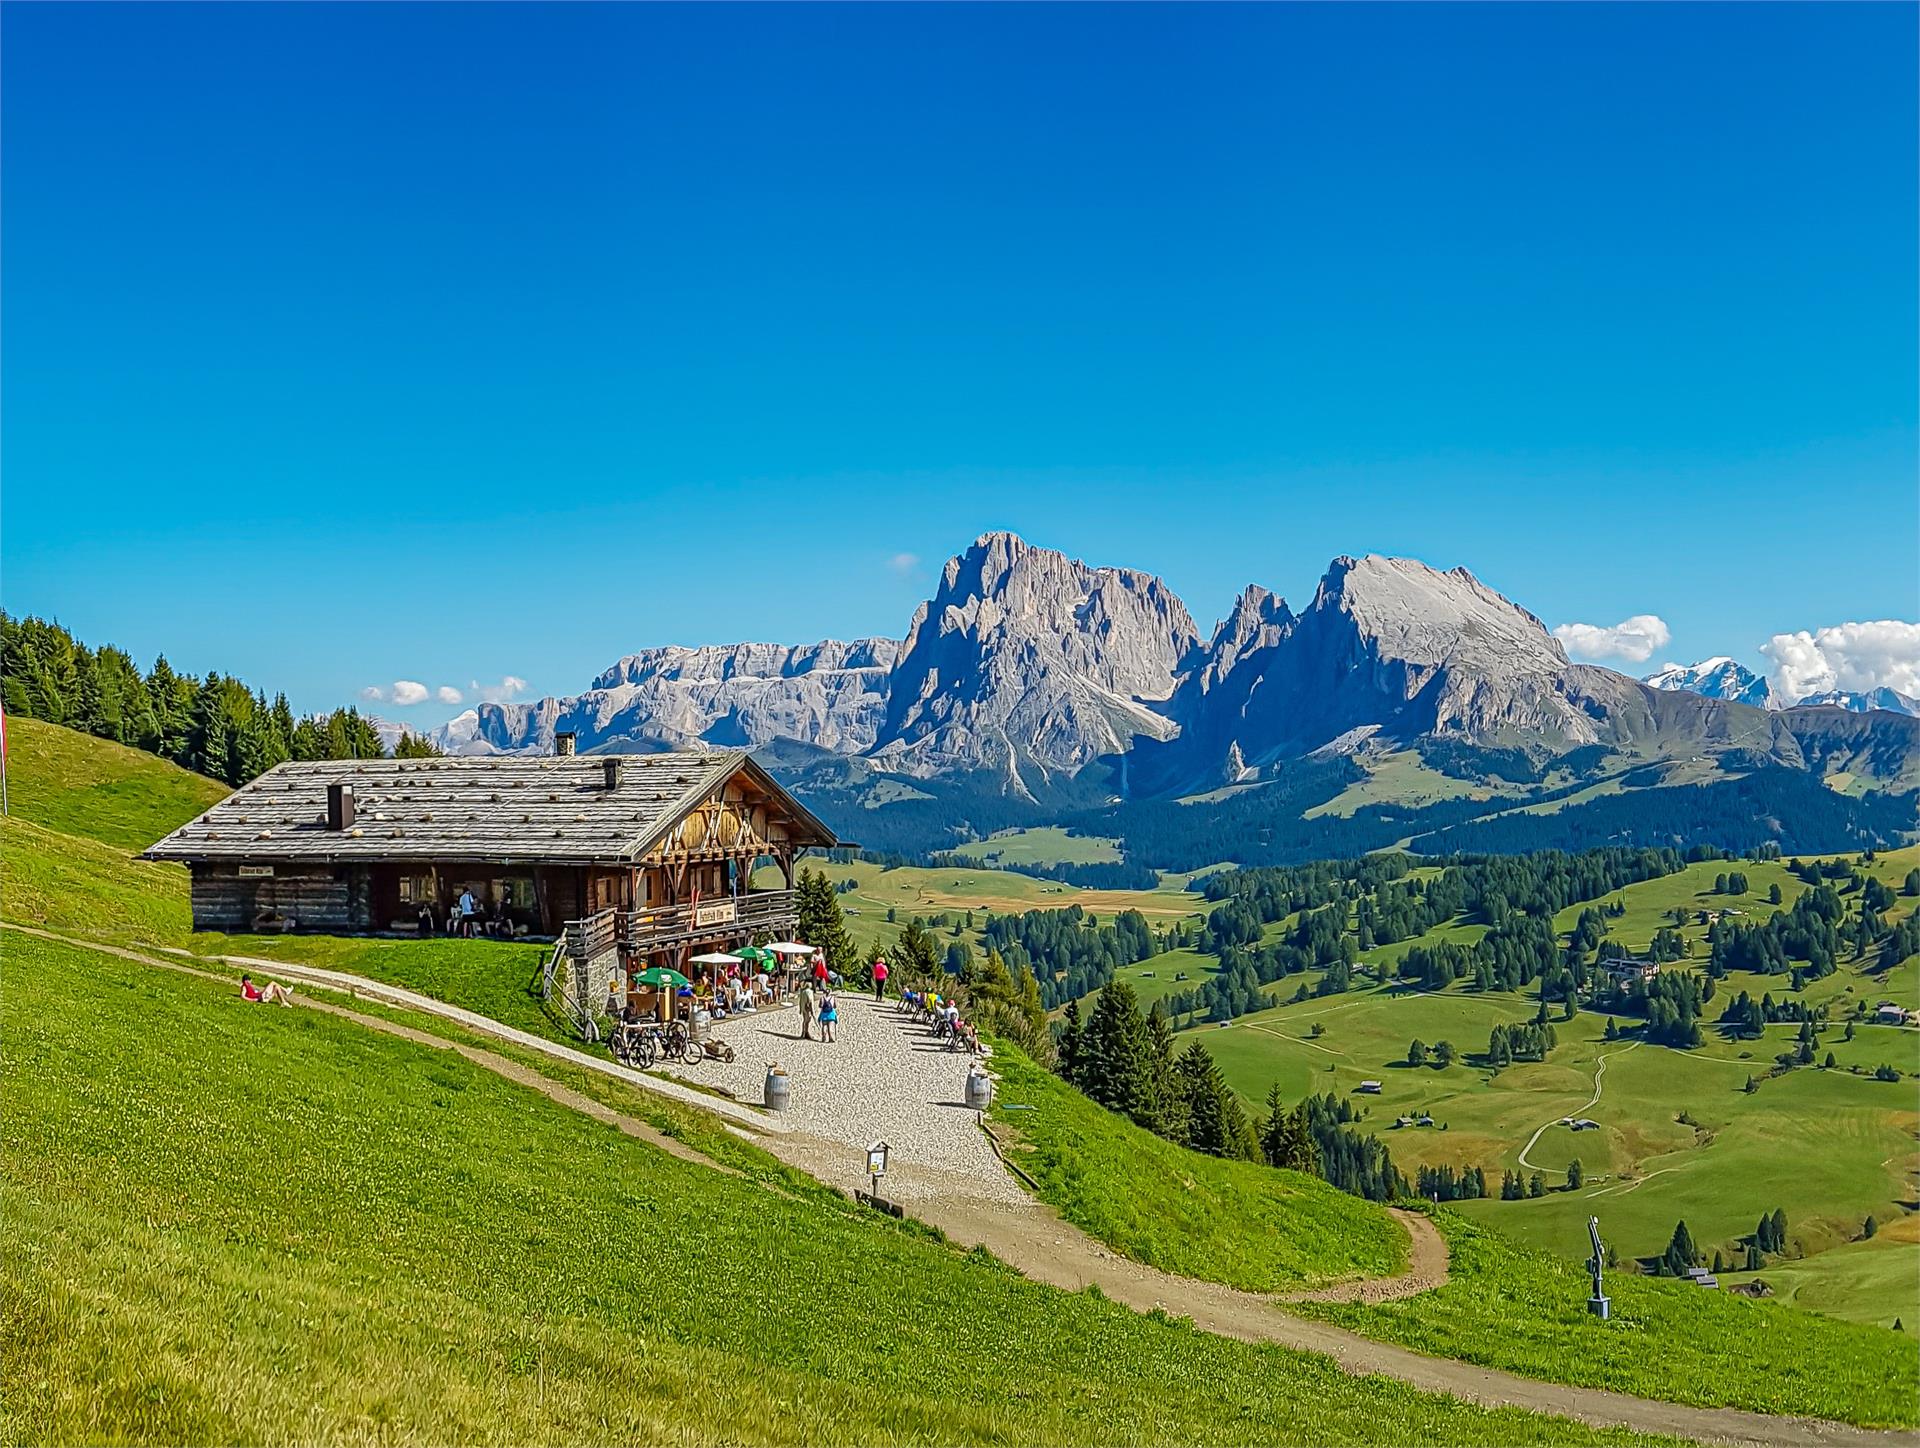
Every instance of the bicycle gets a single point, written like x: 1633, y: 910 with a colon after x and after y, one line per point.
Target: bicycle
x: 676, y: 1041
x: 634, y: 1043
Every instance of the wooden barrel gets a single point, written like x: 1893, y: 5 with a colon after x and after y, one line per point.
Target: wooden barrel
x: 979, y: 1090
x: 778, y: 1091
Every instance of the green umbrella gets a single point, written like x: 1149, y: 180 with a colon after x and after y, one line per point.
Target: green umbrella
x: 659, y: 975
x: 753, y: 952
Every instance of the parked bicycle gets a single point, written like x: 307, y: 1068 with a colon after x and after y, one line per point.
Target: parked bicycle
x: 635, y: 1043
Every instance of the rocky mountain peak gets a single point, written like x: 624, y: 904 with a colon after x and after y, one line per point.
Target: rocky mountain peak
x: 1717, y: 678
x: 1422, y: 615
x: 1026, y: 654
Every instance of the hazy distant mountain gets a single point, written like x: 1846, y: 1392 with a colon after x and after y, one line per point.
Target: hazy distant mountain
x: 1723, y: 678
x: 1718, y: 678
x: 1892, y: 700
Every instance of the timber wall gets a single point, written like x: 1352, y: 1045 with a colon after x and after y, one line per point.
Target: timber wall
x: 333, y: 898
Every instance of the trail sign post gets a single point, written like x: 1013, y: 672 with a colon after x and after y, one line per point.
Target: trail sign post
x: 877, y: 1164
x: 1596, y: 1304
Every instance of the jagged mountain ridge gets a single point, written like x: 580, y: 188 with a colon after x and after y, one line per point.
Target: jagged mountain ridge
x: 1724, y: 678
x: 1030, y: 666
x: 831, y: 693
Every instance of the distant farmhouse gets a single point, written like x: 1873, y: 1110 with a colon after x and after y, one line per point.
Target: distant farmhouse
x: 1623, y: 969
x: 656, y: 850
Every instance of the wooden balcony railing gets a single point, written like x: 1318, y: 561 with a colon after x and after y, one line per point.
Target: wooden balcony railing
x: 724, y: 918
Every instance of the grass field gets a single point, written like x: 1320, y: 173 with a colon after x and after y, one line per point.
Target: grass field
x: 1508, y: 1307
x: 237, y: 1222
x: 911, y: 890
x: 78, y: 785
x: 1854, y: 1281
x: 1049, y: 845
x: 1402, y: 777
x: 1850, y: 1140
x: 1232, y: 1222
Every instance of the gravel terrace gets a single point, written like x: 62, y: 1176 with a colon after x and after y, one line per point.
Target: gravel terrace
x: 883, y: 1079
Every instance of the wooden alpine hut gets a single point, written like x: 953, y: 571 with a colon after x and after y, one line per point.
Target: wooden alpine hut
x: 650, y: 854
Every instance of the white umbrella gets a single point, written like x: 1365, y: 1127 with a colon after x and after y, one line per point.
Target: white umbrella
x: 790, y: 947
x: 715, y: 957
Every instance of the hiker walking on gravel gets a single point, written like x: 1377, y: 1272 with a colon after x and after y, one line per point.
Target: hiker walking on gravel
x: 829, y: 1017
x: 806, y: 1012
x: 879, y: 978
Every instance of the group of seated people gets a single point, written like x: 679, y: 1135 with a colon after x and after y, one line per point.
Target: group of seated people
x: 470, y: 918
x: 736, y: 993
x: 941, y: 1014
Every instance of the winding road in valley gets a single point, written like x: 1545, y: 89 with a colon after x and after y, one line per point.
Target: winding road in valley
x: 1599, y: 1071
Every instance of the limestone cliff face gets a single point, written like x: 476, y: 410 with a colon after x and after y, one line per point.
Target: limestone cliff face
x: 1027, y: 664
x: 1025, y: 658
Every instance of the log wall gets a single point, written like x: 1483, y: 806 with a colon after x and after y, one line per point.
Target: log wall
x: 333, y: 898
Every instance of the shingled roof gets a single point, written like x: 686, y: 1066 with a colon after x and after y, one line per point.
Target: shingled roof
x: 555, y: 809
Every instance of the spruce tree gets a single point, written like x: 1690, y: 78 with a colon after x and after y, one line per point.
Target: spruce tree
x: 1167, y: 1105
x: 1068, y: 1047
x: 1681, y: 1253
x: 821, y: 924
x: 1116, y: 1067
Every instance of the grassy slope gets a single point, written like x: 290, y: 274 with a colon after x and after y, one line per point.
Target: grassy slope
x: 1852, y: 1139
x: 1048, y: 845
x: 79, y: 785
x: 1508, y: 1307
x: 912, y: 890
x: 1231, y: 1222
x: 218, y: 1232
x: 1852, y: 1282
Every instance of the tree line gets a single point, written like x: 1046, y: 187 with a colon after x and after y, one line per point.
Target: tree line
x: 215, y: 725
x: 1125, y: 1059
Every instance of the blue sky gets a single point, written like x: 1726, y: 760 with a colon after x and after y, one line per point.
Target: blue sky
x: 346, y: 344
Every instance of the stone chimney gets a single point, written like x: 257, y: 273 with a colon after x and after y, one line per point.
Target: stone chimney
x: 563, y: 743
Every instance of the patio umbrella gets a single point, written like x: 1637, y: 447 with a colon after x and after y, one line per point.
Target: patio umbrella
x: 753, y: 952
x: 790, y: 947
x: 717, y: 957
x: 659, y: 975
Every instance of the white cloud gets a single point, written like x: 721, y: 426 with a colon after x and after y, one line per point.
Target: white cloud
x: 1883, y: 654
x: 511, y: 686
x: 1632, y: 640
x: 447, y: 694
x: 904, y: 563
x: 373, y: 693
x: 407, y: 691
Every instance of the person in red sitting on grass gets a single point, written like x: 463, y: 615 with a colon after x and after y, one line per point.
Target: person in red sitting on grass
x: 273, y: 992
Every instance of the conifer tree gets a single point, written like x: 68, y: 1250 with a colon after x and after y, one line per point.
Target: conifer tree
x: 1681, y: 1253
x: 1067, y: 1048
x: 821, y: 925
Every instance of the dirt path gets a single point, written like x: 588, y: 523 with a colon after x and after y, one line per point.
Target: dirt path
x: 1599, y: 1071
x: 1052, y: 1251
x: 1426, y: 1269
x: 1033, y: 1239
